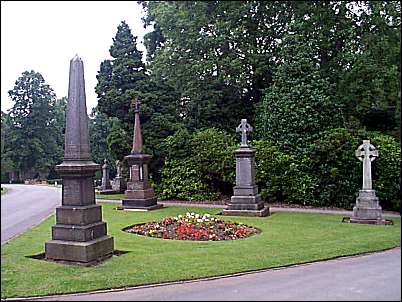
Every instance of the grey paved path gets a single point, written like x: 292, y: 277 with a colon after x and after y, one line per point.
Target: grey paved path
x: 371, y: 277
x: 24, y: 206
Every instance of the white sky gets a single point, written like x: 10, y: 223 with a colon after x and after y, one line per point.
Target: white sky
x: 45, y: 35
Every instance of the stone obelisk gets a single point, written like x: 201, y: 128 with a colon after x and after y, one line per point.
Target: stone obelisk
x: 245, y: 201
x: 139, y: 193
x: 79, y: 234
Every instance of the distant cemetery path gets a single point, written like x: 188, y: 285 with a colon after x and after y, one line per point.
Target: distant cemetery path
x: 25, y: 206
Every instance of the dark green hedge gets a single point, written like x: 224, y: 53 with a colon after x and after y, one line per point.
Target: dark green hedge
x: 201, y: 166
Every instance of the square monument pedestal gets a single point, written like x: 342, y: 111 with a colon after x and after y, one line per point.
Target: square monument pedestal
x: 86, y: 252
x: 141, y: 204
x: 367, y: 210
x: 246, y: 206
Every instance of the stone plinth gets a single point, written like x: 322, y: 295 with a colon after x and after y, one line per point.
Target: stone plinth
x: 139, y: 193
x: 79, y: 235
x: 245, y: 201
x: 367, y: 209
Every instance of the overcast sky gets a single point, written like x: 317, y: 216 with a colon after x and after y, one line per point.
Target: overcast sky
x: 45, y: 35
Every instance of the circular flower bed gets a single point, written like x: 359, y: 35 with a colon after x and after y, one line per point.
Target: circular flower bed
x: 193, y: 226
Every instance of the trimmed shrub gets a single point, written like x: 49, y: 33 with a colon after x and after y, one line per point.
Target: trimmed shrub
x: 283, y: 177
x: 334, y: 164
x: 181, y: 180
x: 386, y: 170
x: 198, y: 166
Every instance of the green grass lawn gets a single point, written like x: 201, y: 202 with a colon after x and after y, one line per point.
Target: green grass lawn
x: 109, y: 196
x: 286, y: 238
x: 3, y: 190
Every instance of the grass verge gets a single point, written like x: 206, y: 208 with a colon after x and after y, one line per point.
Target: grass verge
x: 286, y: 238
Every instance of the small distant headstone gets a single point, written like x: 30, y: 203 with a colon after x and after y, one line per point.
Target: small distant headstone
x: 245, y: 201
x: 367, y: 209
x: 105, y: 177
x: 119, y: 184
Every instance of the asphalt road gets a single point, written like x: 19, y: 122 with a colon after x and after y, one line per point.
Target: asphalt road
x: 371, y: 277
x: 24, y: 206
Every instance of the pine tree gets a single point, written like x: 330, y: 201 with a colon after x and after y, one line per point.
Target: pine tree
x: 123, y: 78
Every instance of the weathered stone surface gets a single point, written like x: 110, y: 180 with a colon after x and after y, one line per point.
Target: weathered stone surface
x: 79, y: 234
x: 246, y: 201
x: 79, y: 215
x: 87, y: 232
x: 76, y: 135
x: 119, y: 184
x: 138, y: 203
x: 79, y: 251
x: 77, y: 191
x: 105, y: 177
x: 140, y: 194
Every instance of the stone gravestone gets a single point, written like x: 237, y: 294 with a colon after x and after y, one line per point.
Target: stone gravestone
x: 105, y: 187
x: 119, y: 183
x: 105, y: 177
x: 79, y: 235
x: 246, y: 201
x: 139, y: 193
x: 367, y: 208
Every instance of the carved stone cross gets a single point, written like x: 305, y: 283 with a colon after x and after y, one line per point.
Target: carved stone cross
x: 366, y: 153
x: 245, y: 129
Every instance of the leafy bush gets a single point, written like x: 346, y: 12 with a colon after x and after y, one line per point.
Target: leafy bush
x: 198, y: 166
x: 386, y: 170
x: 282, y: 177
x: 181, y: 180
x: 339, y: 172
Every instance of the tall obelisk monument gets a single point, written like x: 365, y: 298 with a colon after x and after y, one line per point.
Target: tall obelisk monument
x: 79, y: 234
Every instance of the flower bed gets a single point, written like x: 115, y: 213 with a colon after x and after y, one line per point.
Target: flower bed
x: 193, y: 226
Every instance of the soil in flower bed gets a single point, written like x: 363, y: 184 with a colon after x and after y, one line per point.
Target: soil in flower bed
x: 193, y: 227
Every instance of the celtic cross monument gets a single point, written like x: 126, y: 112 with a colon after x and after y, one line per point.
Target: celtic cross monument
x: 367, y: 208
x: 245, y: 201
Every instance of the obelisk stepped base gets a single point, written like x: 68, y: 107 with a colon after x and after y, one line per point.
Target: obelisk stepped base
x: 85, y: 252
x: 79, y: 235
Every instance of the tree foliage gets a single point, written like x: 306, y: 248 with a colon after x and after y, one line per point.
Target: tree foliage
x: 35, y: 134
